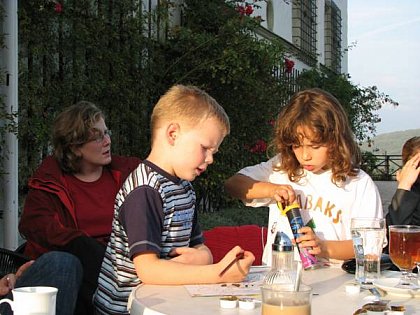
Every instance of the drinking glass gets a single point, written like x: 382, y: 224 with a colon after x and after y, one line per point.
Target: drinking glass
x: 368, y: 235
x: 278, y: 299
x: 404, y: 249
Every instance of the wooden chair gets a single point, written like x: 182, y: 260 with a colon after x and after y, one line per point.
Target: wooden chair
x: 21, y: 248
x: 10, y: 261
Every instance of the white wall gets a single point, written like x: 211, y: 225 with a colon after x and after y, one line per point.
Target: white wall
x: 282, y: 26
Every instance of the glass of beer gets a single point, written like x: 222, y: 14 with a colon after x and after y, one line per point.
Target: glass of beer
x: 404, y: 249
x: 282, y: 299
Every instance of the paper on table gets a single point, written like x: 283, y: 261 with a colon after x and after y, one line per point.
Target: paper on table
x: 250, y: 286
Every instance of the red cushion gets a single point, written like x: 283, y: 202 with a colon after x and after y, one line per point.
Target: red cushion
x: 221, y: 239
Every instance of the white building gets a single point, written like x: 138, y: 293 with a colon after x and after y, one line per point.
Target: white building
x: 313, y: 31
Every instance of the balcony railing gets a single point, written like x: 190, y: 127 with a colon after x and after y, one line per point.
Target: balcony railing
x: 382, y: 167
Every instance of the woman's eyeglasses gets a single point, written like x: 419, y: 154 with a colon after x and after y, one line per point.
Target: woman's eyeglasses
x: 99, y: 136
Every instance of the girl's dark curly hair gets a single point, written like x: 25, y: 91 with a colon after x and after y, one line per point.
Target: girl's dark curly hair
x: 321, y: 113
x: 73, y: 128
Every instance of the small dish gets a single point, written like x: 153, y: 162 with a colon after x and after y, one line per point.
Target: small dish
x: 229, y: 301
x: 390, y: 285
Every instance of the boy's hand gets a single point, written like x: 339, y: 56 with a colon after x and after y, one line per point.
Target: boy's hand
x: 199, y: 255
x: 308, y: 238
x: 239, y: 270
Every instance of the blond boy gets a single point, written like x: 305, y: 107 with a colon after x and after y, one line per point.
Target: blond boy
x: 156, y: 238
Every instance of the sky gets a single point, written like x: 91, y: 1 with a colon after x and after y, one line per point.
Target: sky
x: 386, y: 53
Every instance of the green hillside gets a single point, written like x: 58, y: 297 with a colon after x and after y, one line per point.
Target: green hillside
x: 390, y: 143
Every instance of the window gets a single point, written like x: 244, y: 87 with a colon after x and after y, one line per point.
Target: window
x: 332, y: 31
x: 304, y: 25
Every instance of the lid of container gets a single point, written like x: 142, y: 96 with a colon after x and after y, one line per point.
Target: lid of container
x: 282, y: 243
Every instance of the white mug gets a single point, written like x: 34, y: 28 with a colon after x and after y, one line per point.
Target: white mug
x: 33, y: 301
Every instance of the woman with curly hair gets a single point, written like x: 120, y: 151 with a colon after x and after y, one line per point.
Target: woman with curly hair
x: 317, y: 164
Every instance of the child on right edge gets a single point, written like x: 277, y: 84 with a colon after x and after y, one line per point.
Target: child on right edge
x: 317, y: 162
x: 405, y: 204
x: 155, y: 236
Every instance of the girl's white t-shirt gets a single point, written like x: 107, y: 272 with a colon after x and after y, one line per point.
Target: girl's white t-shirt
x: 329, y: 206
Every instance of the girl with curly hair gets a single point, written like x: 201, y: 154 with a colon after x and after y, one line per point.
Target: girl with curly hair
x: 317, y: 164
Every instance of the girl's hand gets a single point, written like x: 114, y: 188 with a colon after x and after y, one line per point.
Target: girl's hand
x: 308, y: 238
x: 199, y: 255
x: 409, y: 173
x: 239, y: 270
x: 283, y: 193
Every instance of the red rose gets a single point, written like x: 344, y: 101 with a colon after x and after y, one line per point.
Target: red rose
x: 249, y: 9
x: 240, y: 9
x: 58, y: 7
x: 288, y: 65
x: 259, y: 147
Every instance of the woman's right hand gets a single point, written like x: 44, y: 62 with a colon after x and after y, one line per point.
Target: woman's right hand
x: 240, y: 269
x: 5, y: 284
x: 8, y: 282
x: 409, y: 173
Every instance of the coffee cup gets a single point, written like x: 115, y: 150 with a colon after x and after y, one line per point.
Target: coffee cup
x: 33, y: 300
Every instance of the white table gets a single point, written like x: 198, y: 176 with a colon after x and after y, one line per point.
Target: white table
x: 328, y: 285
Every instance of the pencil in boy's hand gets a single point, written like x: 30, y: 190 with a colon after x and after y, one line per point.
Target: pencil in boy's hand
x: 238, y: 256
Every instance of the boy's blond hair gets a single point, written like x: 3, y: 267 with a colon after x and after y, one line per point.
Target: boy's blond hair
x: 187, y: 104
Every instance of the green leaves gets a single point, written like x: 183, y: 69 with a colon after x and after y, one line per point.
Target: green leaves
x: 360, y: 103
x: 123, y: 57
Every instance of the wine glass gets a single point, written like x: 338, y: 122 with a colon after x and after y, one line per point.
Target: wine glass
x: 418, y: 270
x: 404, y: 242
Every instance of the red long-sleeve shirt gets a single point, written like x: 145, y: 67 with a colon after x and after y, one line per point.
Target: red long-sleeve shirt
x: 49, y: 220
